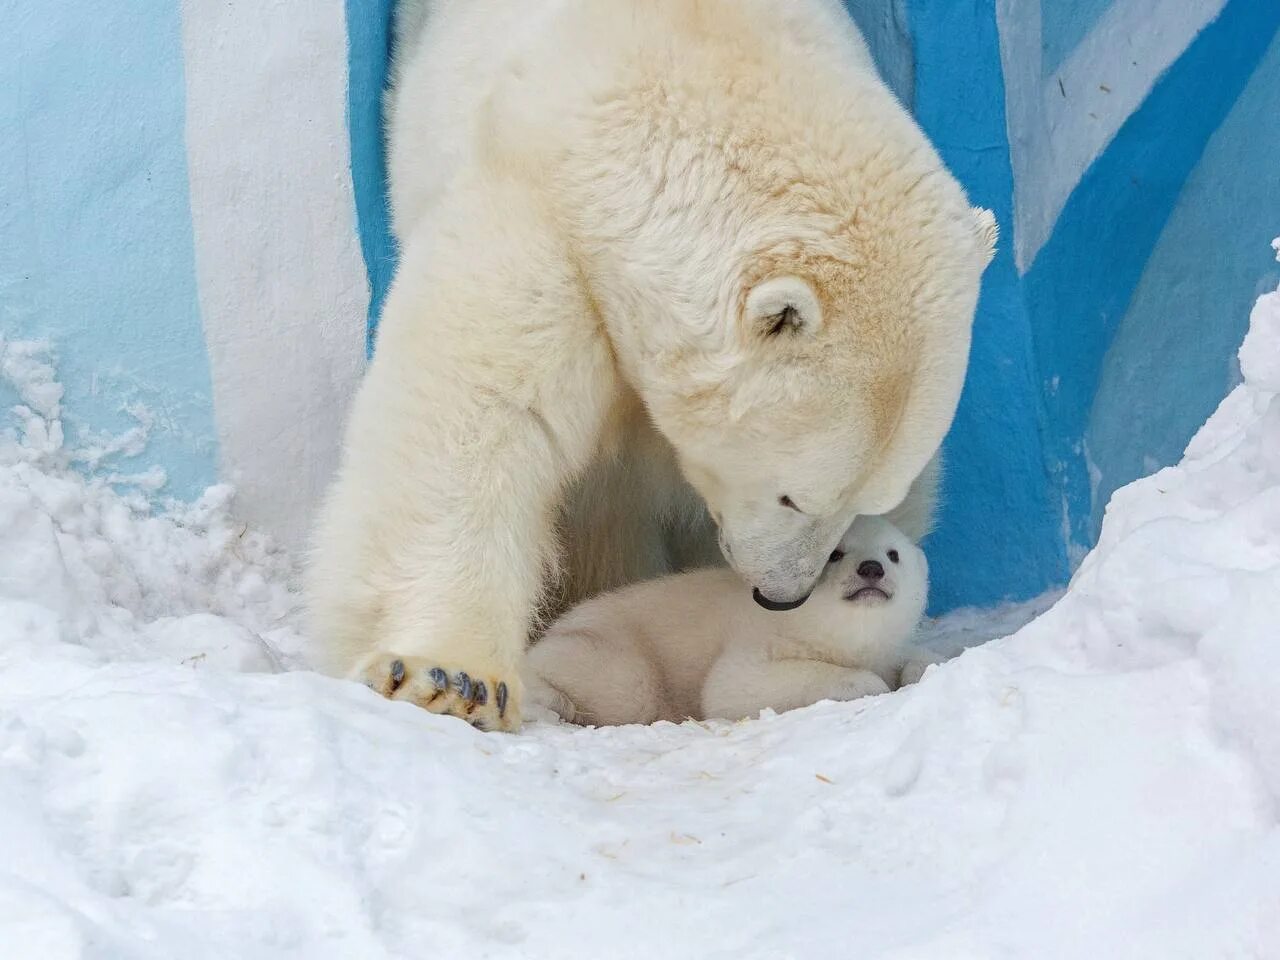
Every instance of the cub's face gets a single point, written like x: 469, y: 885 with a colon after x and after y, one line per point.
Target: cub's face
x: 839, y: 385
x: 879, y: 572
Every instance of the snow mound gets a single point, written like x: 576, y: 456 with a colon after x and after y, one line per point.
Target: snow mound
x: 1104, y: 782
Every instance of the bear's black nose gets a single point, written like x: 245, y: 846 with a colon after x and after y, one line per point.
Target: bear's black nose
x: 768, y: 604
x: 870, y: 569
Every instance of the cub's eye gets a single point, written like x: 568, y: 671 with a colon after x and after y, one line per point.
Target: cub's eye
x: 893, y: 555
x: 836, y: 556
x: 789, y: 503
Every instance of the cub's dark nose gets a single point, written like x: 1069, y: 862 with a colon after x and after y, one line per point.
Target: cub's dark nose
x: 870, y: 569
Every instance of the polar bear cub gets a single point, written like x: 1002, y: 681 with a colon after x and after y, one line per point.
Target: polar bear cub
x: 695, y: 645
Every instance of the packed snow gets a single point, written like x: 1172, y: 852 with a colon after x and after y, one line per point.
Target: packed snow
x: 1104, y: 782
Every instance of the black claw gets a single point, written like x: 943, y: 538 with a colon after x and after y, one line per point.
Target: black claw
x: 397, y: 673
x: 439, y: 678
x: 501, y: 696
x: 464, y: 685
x: 481, y: 693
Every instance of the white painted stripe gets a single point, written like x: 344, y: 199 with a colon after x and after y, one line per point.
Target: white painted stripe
x: 1060, y: 123
x: 282, y: 286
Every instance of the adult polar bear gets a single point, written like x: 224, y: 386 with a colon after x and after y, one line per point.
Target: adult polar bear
x: 642, y: 242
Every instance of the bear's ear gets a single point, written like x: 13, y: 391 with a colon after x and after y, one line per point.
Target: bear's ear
x: 782, y: 306
x: 988, y: 233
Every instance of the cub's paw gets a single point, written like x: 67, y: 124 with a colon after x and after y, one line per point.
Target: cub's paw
x: 857, y: 684
x: 546, y: 699
x: 486, y: 700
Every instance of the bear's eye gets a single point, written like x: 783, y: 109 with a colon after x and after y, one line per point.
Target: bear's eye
x: 836, y: 556
x: 893, y: 556
x: 789, y: 503
x: 785, y: 319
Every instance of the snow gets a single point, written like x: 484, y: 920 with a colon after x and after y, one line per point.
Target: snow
x: 1103, y: 782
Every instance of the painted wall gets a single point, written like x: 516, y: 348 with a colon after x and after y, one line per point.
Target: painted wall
x: 1172, y: 358
x: 1078, y: 283
x: 369, y: 50
x: 183, y: 230
x: 998, y: 531
x: 192, y: 208
x: 1106, y: 113
x: 283, y: 290
x: 96, y: 246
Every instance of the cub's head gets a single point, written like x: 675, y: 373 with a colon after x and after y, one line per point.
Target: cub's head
x: 878, y: 572
x: 840, y: 368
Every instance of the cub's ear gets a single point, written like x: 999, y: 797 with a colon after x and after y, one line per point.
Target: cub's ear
x: 988, y: 233
x: 782, y: 306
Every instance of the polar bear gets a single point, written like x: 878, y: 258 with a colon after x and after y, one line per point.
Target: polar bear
x: 694, y: 645
x: 672, y: 272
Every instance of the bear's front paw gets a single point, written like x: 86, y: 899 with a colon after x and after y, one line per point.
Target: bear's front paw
x: 484, y: 699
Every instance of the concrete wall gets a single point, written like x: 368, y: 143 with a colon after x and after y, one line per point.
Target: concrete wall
x: 192, y: 211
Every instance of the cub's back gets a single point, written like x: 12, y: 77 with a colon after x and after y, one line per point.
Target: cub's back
x: 679, y: 623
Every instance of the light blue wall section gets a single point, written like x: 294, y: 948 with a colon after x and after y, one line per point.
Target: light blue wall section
x: 1173, y: 356
x: 95, y: 232
x: 1063, y: 24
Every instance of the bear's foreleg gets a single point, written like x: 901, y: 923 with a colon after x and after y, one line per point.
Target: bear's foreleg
x: 486, y: 397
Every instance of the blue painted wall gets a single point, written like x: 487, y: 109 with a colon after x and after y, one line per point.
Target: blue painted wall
x: 998, y: 532
x: 95, y: 233
x: 1173, y: 355
x: 1081, y: 282
x: 368, y: 52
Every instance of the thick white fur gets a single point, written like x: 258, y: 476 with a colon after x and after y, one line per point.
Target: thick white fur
x: 696, y: 645
x: 573, y: 377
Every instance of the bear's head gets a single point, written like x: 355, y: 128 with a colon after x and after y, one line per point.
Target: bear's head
x: 788, y: 274
x: 831, y: 384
